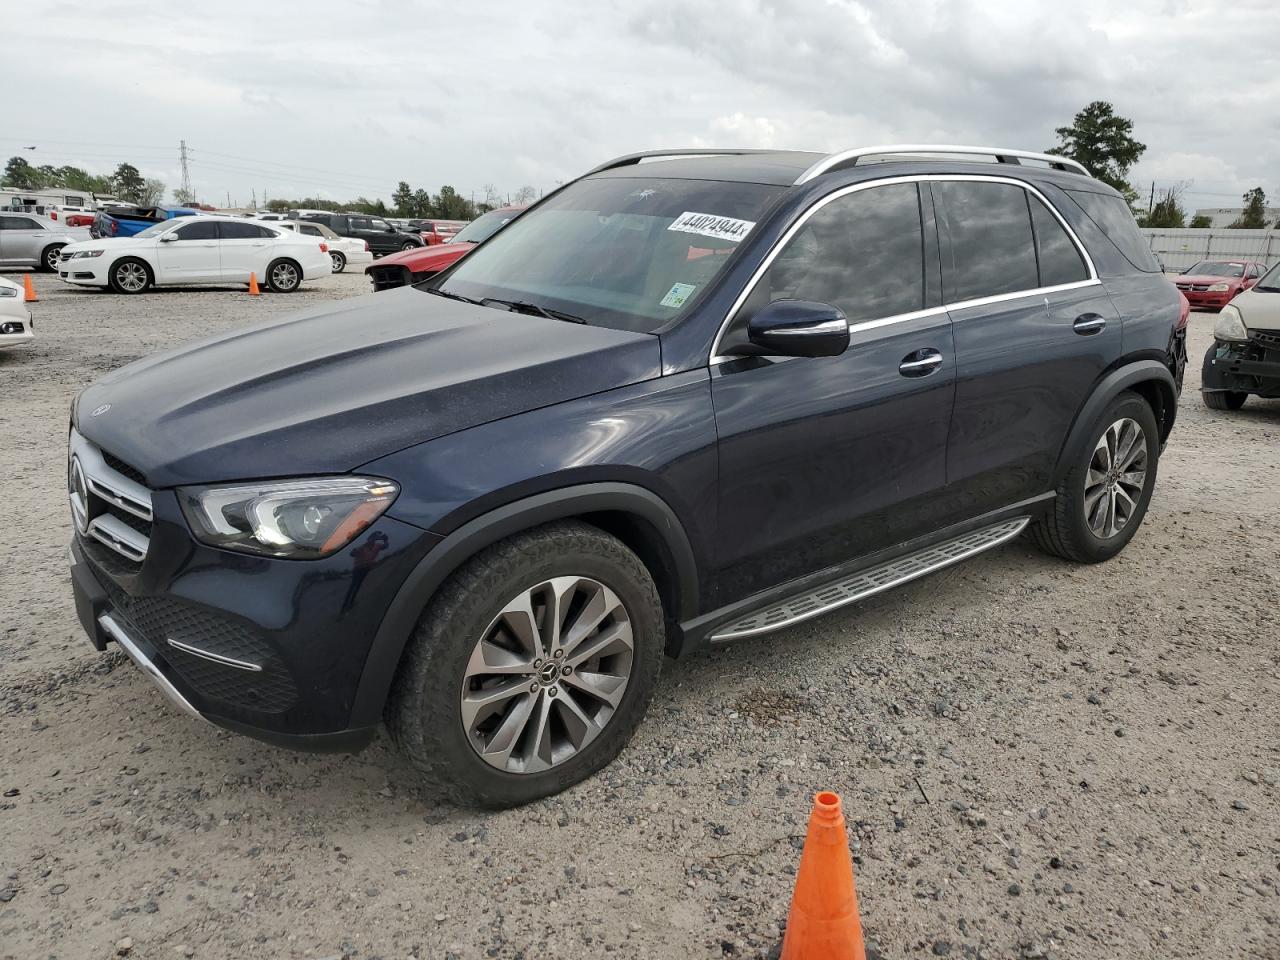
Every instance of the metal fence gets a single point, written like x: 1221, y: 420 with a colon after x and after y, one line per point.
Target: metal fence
x: 1179, y: 249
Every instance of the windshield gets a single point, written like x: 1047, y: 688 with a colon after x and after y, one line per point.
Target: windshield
x: 156, y: 229
x: 1216, y: 268
x: 616, y: 251
x: 1270, y: 280
x: 484, y: 227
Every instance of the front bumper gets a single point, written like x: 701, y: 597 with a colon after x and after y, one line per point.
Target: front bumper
x: 1203, y: 300
x: 84, y: 271
x: 274, y: 649
x: 15, y: 326
x: 1243, y: 367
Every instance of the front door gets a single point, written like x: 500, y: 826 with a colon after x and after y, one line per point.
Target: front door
x: 825, y: 460
x: 1034, y: 331
x: 192, y: 256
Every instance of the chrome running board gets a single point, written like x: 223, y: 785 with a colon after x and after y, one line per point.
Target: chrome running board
x: 868, y: 582
x: 127, y: 644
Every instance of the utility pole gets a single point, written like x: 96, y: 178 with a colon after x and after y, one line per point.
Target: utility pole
x: 1152, y: 202
x: 186, y: 174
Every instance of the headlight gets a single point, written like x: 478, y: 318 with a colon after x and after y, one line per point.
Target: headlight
x: 1219, y: 287
x: 1230, y: 325
x: 298, y: 519
x: 83, y: 253
x: 8, y: 291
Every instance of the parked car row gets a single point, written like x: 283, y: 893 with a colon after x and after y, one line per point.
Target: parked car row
x: 416, y: 265
x: 342, y: 250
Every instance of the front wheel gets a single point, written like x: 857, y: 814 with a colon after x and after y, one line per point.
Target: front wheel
x: 129, y: 275
x: 283, y: 276
x: 408, y: 246
x: 1104, y: 496
x: 1224, y: 399
x: 530, y: 668
x: 338, y: 260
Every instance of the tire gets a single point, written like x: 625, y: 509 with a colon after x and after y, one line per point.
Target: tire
x: 426, y: 714
x: 1073, y: 527
x: 283, y: 276
x: 1224, y: 399
x: 130, y: 275
x: 410, y: 246
x: 339, y: 261
x: 50, y: 256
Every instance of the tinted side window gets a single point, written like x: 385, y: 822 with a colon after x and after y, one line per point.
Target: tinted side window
x: 310, y: 230
x: 244, y: 231
x: 1060, y: 260
x: 992, y: 249
x: 360, y: 223
x: 20, y: 223
x: 1115, y: 218
x: 198, y: 231
x: 863, y: 252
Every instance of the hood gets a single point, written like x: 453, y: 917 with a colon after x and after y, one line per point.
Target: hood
x: 106, y: 243
x: 337, y: 386
x: 428, y: 258
x: 1259, y: 309
x: 1185, y: 278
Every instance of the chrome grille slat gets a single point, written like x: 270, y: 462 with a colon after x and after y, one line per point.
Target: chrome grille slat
x: 105, y: 489
x: 868, y: 582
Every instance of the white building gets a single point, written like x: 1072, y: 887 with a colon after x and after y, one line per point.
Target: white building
x: 1225, y: 216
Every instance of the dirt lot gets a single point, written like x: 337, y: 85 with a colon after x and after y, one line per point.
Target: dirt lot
x: 1037, y: 759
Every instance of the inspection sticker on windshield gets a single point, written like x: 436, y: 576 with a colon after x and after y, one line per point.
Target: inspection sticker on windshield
x: 678, y: 294
x: 709, y: 225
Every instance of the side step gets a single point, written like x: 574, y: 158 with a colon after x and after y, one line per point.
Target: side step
x: 874, y: 580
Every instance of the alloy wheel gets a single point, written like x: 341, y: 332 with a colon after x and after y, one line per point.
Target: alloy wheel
x: 337, y: 261
x: 1115, y: 479
x: 131, y: 276
x: 547, y: 675
x: 284, y: 276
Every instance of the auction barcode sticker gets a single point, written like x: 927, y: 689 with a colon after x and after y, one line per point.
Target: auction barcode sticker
x: 709, y: 225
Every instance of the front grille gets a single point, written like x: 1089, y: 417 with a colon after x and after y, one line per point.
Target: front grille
x: 389, y: 276
x: 109, y: 504
x: 1268, y: 338
x: 160, y: 619
x: 1194, y: 287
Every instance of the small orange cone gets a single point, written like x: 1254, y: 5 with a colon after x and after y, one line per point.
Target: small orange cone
x: 253, y: 285
x: 28, y: 289
x: 823, y: 923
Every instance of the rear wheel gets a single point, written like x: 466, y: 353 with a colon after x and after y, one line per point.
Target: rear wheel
x: 51, y: 256
x: 339, y: 261
x: 1224, y: 399
x: 130, y: 275
x: 1104, y: 496
x: 530, y: 668
x: 283, y: 276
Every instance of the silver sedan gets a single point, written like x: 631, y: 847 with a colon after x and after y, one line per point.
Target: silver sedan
x: 30, y: 240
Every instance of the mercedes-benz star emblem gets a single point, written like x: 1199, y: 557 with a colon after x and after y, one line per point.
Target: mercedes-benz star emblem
x: 100, y: 410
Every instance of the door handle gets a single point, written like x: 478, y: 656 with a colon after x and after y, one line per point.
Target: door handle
x: 921, y: 363
x: 1088, y: 324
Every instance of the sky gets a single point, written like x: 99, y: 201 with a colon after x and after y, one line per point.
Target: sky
x: 340, y: 99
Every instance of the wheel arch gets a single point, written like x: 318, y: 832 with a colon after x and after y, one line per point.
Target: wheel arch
x: 44, y: 251
x: 635, y: 515
x: 1150, y: 379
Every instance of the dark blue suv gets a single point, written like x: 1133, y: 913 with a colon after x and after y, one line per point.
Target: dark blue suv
x: 689, y: 397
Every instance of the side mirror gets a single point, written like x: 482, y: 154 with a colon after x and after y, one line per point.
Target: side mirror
x: 796, y: 328
x: 169, y: 237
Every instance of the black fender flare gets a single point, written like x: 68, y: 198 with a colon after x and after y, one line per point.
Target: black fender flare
x: 1107, y: 389
x: 497, y: 524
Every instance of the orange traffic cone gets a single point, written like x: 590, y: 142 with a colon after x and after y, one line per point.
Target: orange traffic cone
x: 253, y: 285
x: 28, y: 289
x: 823, y: 923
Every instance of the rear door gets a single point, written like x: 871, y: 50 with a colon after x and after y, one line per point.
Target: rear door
x: 192, y: 257
x: 1034, y: 331
x: 245, y: 250
x: 824, y: 460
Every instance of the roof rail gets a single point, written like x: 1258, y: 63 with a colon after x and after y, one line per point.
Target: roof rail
x: 849, y: 158
x: 633, y: 158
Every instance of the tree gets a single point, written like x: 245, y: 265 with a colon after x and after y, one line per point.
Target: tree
x: 128, y: 183
x: 403, y: 199
x: 420, y: 204
x: 525, y: 195
x: 1254, y: 216
x: 1201, y: 221
x: 1103, y: 142
x: 1167, y: 211
x: 450, y: 205
x: 152, y: 193
x: 74, y: 178
x: 183, y: 197
x: 18, y: 173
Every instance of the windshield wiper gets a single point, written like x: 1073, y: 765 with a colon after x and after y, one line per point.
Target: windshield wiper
x: 452, y: 296
x: 524, y: 306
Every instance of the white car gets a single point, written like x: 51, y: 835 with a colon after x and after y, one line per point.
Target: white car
x: 190, y: 250
x: 342, y: 250
x: 15, y: 321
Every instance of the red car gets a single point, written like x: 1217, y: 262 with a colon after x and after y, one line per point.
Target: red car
x: 422, y: 263
x: 1213, y: 283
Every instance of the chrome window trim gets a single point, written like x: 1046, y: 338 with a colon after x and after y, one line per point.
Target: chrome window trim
x: 780, y: 244
x: 835, y: 159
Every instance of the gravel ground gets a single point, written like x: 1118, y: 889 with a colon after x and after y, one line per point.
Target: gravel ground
x: 1037, y: 759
